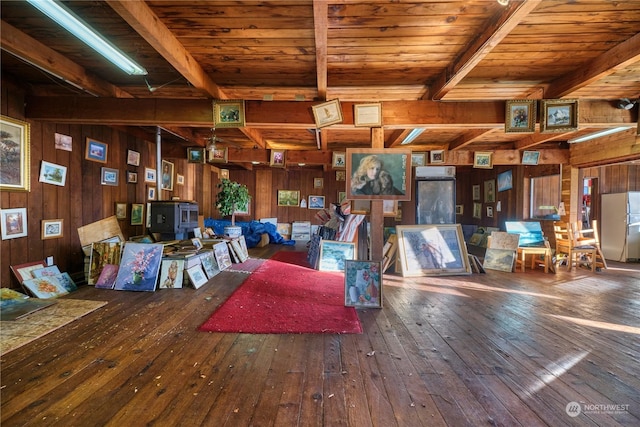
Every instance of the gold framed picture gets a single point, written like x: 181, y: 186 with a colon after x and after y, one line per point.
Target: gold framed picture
x: 228, y: 113
x: 483, y: 159
x: 277, y: 158
x: 52, y: 228
x: 288, y: 197
x: 559, y: 115
x: 367, y: 115
x: 327, y: 113
x: 520, y: 116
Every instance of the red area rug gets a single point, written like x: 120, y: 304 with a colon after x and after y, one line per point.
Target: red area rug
x: 283, y: 298
x: 292, y: 257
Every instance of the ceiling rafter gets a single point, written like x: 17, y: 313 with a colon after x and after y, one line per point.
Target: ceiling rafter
x: 32, y: 51
x: 618, y: 57
x: 146, y: 23
x: 320, y: 24
x: 481, y: 46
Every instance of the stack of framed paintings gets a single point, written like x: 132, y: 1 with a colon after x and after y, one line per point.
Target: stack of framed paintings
x: 333, y: 255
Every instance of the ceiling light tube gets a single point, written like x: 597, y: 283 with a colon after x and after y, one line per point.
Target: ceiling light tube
x: 68, y: 20
x: 412, y: 135
x: 598, y: 134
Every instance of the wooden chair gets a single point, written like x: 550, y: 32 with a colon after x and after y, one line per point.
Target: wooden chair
x: 590, y: 237
x: 567, y: 248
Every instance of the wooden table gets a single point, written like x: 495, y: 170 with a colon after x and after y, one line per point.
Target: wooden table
x: 545, y: 251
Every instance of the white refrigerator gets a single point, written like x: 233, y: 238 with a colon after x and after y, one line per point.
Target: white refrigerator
x: 620, y: 226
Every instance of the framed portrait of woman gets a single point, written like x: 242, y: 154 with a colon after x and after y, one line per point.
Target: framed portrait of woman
x: 378, y: 174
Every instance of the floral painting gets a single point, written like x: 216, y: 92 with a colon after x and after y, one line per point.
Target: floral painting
x: 45, y: 287
x: 139, y: 267
x: 363, y: 283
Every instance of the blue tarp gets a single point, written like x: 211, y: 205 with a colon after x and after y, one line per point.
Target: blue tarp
x: 252, y: 231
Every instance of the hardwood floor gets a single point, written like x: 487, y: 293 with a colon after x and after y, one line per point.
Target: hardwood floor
x: 507, y: 349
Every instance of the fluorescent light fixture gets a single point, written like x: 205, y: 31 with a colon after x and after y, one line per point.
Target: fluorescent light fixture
x: 68, y: 20
x: 412, y: 135
x: 598, y: 134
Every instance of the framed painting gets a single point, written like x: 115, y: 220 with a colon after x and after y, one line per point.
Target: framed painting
x: 14, y: 223
x: 228, y: 113
x: 363, y: 284
x: 109, y: 176
x: 288, y: 197
x: 483, y: 160
x: 133, y: 158
x: 333, y: 254
x: 436, y: 156
x: 167, y: 175
x: 151, y: 193
x: 367, y: 115
x: 63, y: 142
x: 52, y: 228
x: 219, y: 155
x: 530, y: 157
x: 209, y: 264
x: 224, y: 173
x: 432, y: 250
x: 244, y: 210
x: 361, y: 207
x: 489, y: 211
x: 505, y: 180
x: 459, y: 209
x: 96, y: 151
x: 341, y: 175
x: 339, y: 160
x: 45, y: 287
x: 139, y: 267
x: 389, y: 208
x: 102, y: 253
x: 559, y: 115
x: 318, y: 182
x: 477, y: 210
x: 418, y: 159
x: 520, y: 116
x: 378, y: 174
x: 476, y: 192
x: 327, y: 113
x: 277, y: 158
x: 50, y: 173
x: 499, y: 259
x: 132, y: 177
x: 15, y: 154
x: 316, y: 202
x: 149, y: 175
x: 196, y: 276
x: 179, y: 179
x: 171, y: 274
x: 137, y: 213
x: 121, y: 210
x: 196, y: 155
x: 342, y: 196
x: 25, y: 271
x: 490, y: 191
x: 221, y: 252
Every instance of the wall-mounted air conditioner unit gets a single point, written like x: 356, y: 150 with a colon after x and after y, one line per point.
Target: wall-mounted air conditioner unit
x: 435, y: 172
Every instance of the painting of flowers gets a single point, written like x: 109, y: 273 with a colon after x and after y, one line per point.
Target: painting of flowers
x: 45, y: 287
x: 139, y: 267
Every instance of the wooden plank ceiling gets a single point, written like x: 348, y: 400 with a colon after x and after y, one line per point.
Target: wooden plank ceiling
x: 447, y: 66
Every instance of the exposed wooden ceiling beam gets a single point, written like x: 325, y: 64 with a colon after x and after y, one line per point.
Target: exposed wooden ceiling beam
x: 320, y: 24
x: 151, y: 28
x: 618, y: 57
x: 532, y: 140
x: 481, y: 46
x: 32, y: 51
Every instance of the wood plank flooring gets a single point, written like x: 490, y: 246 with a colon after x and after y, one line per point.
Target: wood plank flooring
x: 495, y: 349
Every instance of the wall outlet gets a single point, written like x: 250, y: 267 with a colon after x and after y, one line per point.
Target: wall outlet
x: 49, y: 261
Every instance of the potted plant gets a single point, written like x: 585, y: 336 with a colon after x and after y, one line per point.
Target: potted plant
x: 231, y: 196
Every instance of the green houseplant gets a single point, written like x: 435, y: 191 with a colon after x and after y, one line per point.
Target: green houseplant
x: 231, y: 197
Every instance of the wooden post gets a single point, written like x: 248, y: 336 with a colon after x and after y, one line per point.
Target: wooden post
x: 376, y: 238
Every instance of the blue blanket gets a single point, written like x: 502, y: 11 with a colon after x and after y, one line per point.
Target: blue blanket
x: 252, y: 231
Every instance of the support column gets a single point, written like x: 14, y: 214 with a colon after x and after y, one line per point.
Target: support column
x: 376, y: 238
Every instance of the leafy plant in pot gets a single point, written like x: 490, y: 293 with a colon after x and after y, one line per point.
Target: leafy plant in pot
x: 231, y: 197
